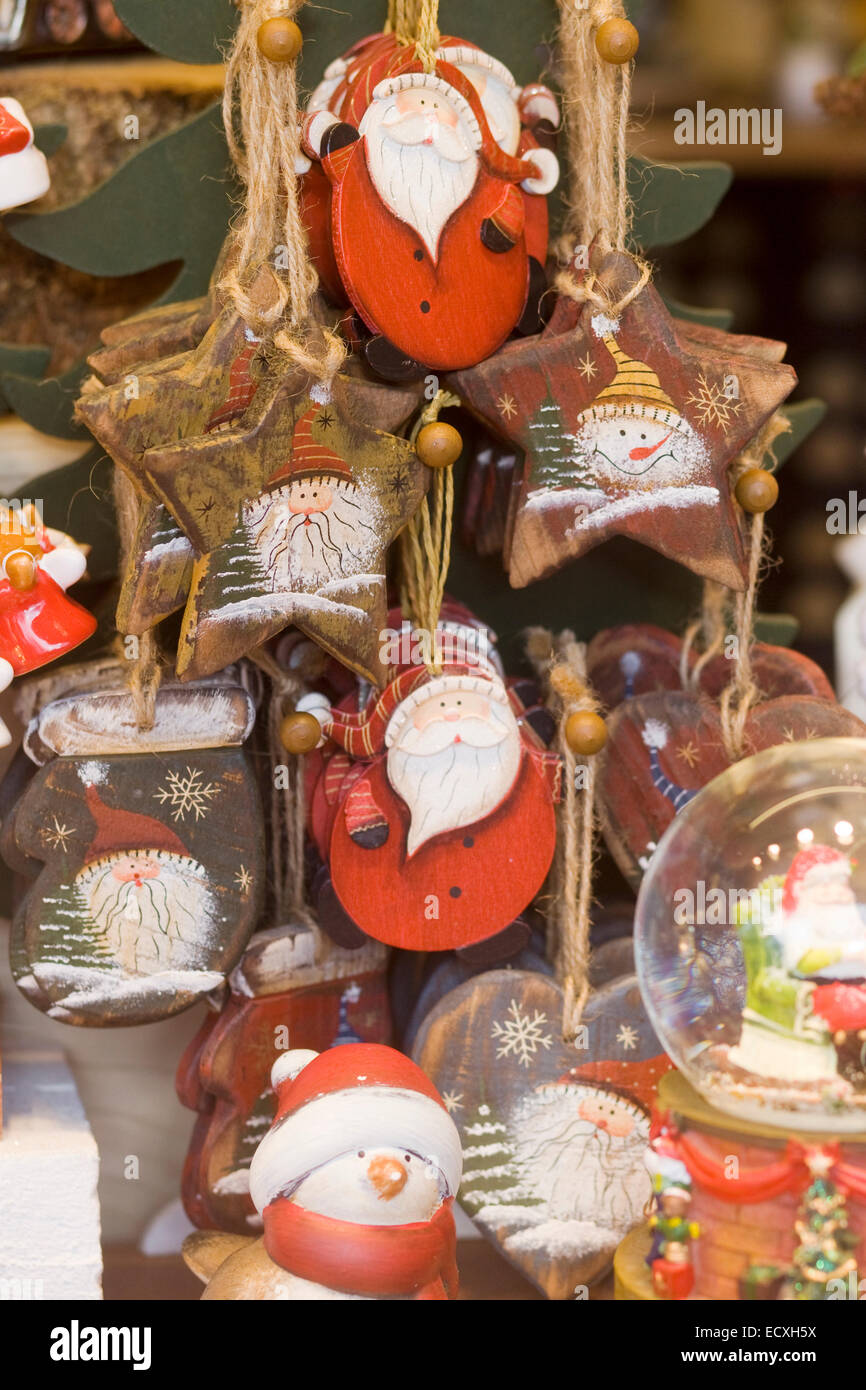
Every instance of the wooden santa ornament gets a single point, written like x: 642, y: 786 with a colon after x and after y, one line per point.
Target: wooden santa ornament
x: 439, y: 827
x: 553, y: 1132
x: 355, y: 1184
x: 150, y: 853
x: 442, y: 280
x: 24, y: 172
x: 38, y: 623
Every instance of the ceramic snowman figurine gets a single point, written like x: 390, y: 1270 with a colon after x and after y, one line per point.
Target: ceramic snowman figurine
x: 354, y: 1182
x: 23, y: 169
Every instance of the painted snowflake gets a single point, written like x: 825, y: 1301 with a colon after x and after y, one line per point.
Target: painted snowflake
x: 57, y: 835
x: 714, y: 406
x: 187, y: 795
x: 521, y: 1036
x: 453, y: 1101
x: 627, y: 1037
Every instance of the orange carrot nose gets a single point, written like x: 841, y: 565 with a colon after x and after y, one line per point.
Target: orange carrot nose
x: 645, y: 450
x: 388, y: 1176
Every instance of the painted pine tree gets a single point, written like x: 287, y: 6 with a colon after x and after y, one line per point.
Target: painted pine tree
x: 69, y: 936
x: 238, y: 567
x: 553, y: 450
x: 491, y: 1175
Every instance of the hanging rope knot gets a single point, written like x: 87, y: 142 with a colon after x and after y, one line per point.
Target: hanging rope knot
x: 560, y: 663
x: 321, y: 356
x: 589, y: 289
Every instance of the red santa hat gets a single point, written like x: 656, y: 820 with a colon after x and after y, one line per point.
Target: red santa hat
x: 310, y: 458
x: 817, y: 864
x: 359, y: 1096
x: 366, y: 734
x: 455, y: 87
x: 119, y: 830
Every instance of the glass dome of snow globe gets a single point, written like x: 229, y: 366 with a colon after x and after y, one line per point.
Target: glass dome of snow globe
x: 750, y: 938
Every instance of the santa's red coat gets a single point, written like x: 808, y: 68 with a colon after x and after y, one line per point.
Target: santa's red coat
x: 478, y: 878
x: 448, y: 313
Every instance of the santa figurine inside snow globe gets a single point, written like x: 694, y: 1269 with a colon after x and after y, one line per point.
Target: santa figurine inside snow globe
x: 751, y: 938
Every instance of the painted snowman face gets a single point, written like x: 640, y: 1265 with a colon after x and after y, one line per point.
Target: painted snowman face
x: 633, y: 447
x: 374, y: 1187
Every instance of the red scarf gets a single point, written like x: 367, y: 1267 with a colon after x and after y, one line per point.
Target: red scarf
x: 417, y: 1260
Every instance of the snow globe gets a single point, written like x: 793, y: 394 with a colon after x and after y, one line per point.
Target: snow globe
x: 750, y: 945
x: 750, y: 937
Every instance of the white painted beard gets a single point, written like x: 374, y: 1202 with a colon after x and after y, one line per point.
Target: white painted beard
x: 300, y: 555
x: 161, y: 923
x: 418, y: 184
x: 456, y: 786
x: 834, y: 923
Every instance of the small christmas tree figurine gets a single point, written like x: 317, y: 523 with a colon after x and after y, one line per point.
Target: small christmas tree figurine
x: 824, y: 1261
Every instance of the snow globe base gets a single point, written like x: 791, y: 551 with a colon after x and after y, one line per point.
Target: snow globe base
x: 776, y: 1217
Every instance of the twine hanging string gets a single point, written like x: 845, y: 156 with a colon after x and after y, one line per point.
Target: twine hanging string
x: 288, y: 803
x: 416, y: 22
x: 425, y: 545
x: 145, y: 669
x: 561, y: 664
x: 710, y: 628
x: 596, y: 97
x: 269, y: 277
x: 743, y: 692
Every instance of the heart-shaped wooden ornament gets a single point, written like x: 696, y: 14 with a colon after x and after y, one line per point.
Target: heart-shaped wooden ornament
x: 553, y: 1133
x: 639, y: 659
x: 662, y: 748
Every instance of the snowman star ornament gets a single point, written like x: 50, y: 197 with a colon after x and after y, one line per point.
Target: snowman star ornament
x: 24, y: 175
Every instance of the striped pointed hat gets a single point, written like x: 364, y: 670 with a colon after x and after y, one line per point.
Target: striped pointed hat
x: 635, y: 391
x: 310, y: 458
x: 366, y: 734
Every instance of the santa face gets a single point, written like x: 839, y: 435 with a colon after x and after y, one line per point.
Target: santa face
x: 454, y: 761
x: 376, y: 1187
x: 500, y: 108
x: 421, y: 158
x: 582, y: 1148
x: 608, y: 1113
x: 622, y: 448
x: 148, y: 903
x: 311, y: 531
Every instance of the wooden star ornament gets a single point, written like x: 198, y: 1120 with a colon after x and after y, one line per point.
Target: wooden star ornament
x: 293, y: 512
x: 638, y: 447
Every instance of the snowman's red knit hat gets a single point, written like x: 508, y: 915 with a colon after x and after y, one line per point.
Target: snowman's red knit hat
x: 817, y: 864
x: 358, y: 1096
x: 118, y: 829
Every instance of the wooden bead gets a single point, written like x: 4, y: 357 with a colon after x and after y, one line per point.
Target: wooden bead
x: 616, y: 40
x: 279, y: 40
x: 300, y: 732
x: 585, y: 732
x: 21, y: 570
x: 756, y: 490
x: 439, y: 445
